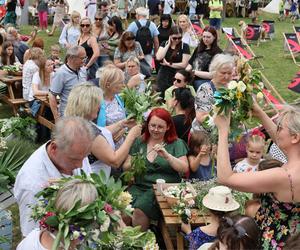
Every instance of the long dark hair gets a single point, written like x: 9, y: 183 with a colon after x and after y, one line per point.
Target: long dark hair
x: 175, y: 30
x: 214, y: 46
x: 186, y: 101
x: 118, y: 24
x: 4, y: 55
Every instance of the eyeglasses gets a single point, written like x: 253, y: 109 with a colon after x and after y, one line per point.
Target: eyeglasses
x: 83, y: 58
x: 177, y: 80
x: 130, y: 38
x: 85, y: 25
x: 98, y: 19
x: 176, y: 37
x: 157, y: 127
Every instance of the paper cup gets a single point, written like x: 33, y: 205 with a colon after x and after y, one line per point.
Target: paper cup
x: 160, y: 183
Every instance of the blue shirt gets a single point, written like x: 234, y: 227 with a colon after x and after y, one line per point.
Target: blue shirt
x: 204, y: 172
x: 197, y: 238
x: 153, y: 29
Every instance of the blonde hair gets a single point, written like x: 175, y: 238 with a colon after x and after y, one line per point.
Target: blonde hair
x: 292, y: 116
x: 186, y: 19
x: 74, y: 14
x: 219, y: 61
x: 73, y: 191
x: 55, y: 47
x: 133, y: 59
x: 84, y: 19
x: 110, y: 75
x: 256, y: 139
x: 83, y: 100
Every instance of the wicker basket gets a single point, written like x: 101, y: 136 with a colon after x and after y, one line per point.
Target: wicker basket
x: 173, y: 200
x: 14, y: 73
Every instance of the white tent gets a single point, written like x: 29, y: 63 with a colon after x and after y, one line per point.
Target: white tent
x: 272, y: 7
x: 78, y: 6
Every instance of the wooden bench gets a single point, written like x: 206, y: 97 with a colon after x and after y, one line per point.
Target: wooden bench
x: 41, y: 114
x: 11, y: 98
x: 172, y: 222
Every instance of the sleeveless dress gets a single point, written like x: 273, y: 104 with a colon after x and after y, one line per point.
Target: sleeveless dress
x: 89, y: 53
x: 277, y: 220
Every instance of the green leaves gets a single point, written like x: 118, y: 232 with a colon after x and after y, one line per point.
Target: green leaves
x: 138, y: 167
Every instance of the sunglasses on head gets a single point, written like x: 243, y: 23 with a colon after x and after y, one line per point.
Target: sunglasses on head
x: 85, y: 25
x: 177, y: 80
x: 177, y: 38
x: 98, y: 19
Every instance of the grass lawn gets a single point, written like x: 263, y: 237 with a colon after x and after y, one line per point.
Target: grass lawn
x: 278, y: 70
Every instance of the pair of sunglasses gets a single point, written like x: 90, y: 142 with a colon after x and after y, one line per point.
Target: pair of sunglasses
x: 177, y: 80
x: 177, y: 38
x: 98, y: 19
x: 85, y: 25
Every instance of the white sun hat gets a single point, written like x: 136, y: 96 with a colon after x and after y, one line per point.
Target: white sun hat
x: 220, y: 198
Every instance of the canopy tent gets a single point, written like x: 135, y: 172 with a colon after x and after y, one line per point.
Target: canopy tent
x: 78, y: 6
x: 272, y: 7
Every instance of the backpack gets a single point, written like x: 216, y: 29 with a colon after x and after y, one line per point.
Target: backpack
x: 143, y: 36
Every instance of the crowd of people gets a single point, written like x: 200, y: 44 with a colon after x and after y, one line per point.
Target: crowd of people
x: 104, y: 54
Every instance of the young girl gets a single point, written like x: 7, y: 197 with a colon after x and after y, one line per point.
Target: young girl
x: 219, y: 202
x: 238, y: 232
x: 7, y: 54
x: 200, y: 157
x: 255, y: 148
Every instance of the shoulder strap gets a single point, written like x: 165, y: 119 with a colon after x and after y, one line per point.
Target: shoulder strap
x: 291, y: 183
x: 138, y: 24
x: 148, y: 24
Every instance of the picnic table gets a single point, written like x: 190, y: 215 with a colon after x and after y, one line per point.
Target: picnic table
x: 171, y: 221
x: 12, y: 98
x: 44, y: 100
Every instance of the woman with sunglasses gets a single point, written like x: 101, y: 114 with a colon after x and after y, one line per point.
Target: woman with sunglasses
x: 278, y: 216
x: 71, y: 32
x: 203, y: 55
x: 173, y: 55
x: 181, y: 79
x: 89, y: 42
x: 100, y: 32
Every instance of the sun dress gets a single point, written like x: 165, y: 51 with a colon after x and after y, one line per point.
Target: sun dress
x: 142, y: 190
x: 277, y: 220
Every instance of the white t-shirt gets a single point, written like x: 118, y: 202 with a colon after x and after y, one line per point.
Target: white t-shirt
x: 36, y: 80
x: 245, y: 166
x: 32, y: 241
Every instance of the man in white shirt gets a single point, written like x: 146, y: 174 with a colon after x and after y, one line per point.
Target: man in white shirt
x: 64, y: 155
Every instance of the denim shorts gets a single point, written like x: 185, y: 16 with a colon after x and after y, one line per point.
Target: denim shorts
x: 215, y: 22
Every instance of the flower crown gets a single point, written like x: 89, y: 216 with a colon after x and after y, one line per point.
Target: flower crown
x: 96, y: 223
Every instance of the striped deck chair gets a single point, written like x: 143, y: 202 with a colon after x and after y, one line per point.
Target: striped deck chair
x: 292, y: 46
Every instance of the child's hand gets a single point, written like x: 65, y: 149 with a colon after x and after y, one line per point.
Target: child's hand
x: 186, y: 228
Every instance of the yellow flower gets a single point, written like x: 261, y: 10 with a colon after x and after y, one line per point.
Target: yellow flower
x: 259, y: 96
x: 125, y: 199
x: 239, y: 95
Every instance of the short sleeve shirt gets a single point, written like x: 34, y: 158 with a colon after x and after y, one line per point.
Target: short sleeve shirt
x: 153, y: 29
x: 178, y: 58
x: 124, y: 56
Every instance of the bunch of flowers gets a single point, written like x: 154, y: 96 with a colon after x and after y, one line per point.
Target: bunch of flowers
x: 237, y: 98
x: 96, y: 224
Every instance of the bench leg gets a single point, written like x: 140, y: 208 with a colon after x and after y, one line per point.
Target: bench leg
x: 180, y: 242
x: 166, y: 236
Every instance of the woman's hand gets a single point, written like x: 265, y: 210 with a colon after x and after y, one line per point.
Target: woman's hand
x: 256, y: 109
x: 186, y: 228
x: 222, y: 122
x: 165, y: 63
x: 129, y: 123
x: 161, y: 151
x: 135, y: 131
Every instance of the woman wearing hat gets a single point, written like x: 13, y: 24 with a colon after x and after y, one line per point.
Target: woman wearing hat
x: 219, y: 202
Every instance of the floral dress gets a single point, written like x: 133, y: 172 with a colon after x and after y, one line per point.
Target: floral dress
x: 197, y: 238
x: 277, y: 220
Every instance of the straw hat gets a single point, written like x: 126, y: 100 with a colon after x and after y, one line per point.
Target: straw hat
x: 220, y: 199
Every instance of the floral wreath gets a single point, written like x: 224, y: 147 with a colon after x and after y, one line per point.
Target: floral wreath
x: 96, y: 224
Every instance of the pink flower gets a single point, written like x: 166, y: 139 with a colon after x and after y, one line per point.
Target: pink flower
x: 108, y: 208
x: 42, y: 222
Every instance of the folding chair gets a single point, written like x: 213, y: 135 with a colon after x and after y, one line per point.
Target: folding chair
x: 243, y: 50
x: 297, y: 31
x: 269, y: 27
x: 196, y: 25
x: 253, y: 33
x: 292, y: 46
x: 295, y: 83
x: 229, y: 33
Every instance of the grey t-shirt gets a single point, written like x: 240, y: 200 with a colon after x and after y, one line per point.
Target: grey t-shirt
x: 63, y: 81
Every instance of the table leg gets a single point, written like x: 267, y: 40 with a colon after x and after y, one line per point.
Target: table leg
x: 166, y: 236
x: 180, y: 242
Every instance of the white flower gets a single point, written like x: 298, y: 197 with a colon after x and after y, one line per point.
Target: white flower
x: 129, y: 208
x: 188, y: 212
x: 125, y: 199
x: 259, y: 96
x: 241, y: 86
x: 104, y: 227
x: 261, y: 85
x: 76, y: 235
x: 232, y: 85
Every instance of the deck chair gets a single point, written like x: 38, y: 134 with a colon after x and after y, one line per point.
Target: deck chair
x: 292, y: 46
x: 269, y: 27
x: 196, y: 25
x: 253, y: 33
x: 243, y: 50
x: 297, y: 31
x: 295, y: 83
x: 272, y: 100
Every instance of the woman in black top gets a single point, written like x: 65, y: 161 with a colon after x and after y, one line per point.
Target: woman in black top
x: 89, y: 42
x: 183, y: 104
x: 203, y: 55
x: 164, y: 28
x: 173, y: 55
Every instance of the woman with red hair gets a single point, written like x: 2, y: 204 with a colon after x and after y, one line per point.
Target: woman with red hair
x: 165, y: 159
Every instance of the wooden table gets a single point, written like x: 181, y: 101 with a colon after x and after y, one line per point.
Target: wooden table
x: 41, y: 114
x: 172, y: 221
x: 11, y: 98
